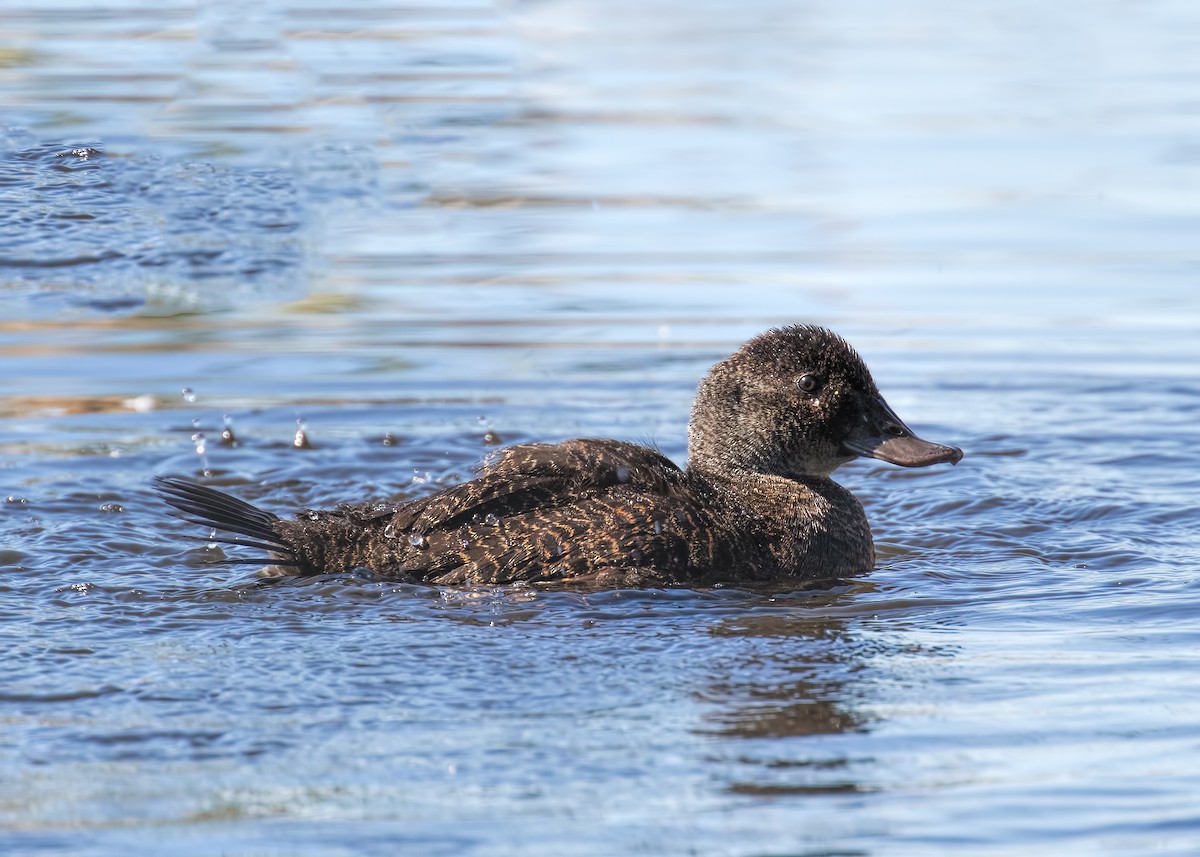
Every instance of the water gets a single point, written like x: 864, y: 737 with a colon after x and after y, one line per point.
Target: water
x: 411, y: 231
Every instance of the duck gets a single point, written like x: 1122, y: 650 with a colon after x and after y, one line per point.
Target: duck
x: 755, y: 503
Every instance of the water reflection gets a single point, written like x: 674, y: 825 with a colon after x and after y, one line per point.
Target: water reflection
x: 779, y: 710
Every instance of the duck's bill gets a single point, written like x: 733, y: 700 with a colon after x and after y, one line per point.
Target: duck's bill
x: 883, y: 435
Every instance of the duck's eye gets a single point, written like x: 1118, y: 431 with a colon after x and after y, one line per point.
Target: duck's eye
x: 808, y: 384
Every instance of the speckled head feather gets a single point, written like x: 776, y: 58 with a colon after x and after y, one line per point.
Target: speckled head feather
x: 781, y: 405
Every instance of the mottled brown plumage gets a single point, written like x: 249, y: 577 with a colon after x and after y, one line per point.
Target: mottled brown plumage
x: 769, y: 425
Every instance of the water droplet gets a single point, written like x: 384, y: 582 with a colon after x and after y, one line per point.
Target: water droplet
x: 490, y: 438
x: 491, y: 520
x: 420, y: 478
x: 228, y: 438
x: 657, y: 528
x: 389, y: 532
x: 300, y: 439
x: 622, y: 474
x: 112, y: 507
x: 11, y: 499
x: 189, y: 395
x: 198, y: 440
x: 417, y: 540
x: 312, y: 516
x: 389, y: 439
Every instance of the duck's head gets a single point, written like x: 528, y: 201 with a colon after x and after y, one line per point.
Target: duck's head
x: 799, y: 401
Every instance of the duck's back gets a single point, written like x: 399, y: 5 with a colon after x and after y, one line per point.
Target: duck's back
x: 583, y: 512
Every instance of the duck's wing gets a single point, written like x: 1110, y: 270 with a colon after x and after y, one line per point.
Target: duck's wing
x: 538, y: 475
x: 618, y: 537
x: 583, y: 511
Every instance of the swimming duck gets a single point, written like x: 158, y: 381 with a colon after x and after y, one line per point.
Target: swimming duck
x: 755, y: 503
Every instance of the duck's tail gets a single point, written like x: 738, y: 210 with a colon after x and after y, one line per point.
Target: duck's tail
x: 249, y: 526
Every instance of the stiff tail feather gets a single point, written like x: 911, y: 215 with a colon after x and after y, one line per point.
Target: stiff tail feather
x: 249, y: 526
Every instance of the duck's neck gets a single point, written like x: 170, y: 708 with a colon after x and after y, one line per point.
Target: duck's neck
x: 808, y: 525
x: 733, y: 478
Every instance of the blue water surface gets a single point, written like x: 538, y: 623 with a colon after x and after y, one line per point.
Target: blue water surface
x: 411, y: 230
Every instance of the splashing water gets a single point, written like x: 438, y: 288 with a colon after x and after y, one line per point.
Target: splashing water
x: 300, y: 439
x: 228, y: 438
x: 199, y: 439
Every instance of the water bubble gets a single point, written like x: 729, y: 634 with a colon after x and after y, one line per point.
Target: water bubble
x: 189, y: 395
x: 112, y: 507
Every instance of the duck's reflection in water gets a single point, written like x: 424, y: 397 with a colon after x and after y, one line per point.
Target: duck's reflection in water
x: 790, y: 716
